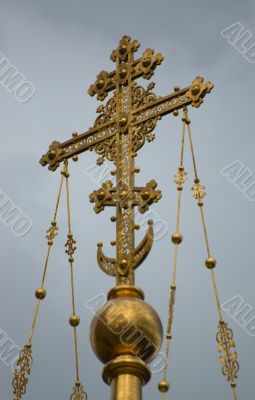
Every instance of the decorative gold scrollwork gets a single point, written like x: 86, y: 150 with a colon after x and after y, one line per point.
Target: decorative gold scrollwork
x: 141, y: 96
x: 106, y: 113
x: 22, y: 372
x: 106, y: 149
x: 143, y: 132
x: 228, y: 357
x: 138, y: 140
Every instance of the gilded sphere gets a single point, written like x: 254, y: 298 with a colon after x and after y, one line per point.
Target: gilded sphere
x: 126, y: 325
x: 123, y: 72
x: 40, y: 293
x: 52, y: 154
x: 163, y: 386
x: 195, y: 90
x: 146, y: 62
x: 177, y: 238
x: 123, y: 193
x: 74, y: 320
x: 100, y: 84
x: 145, y: 194
x: 210, y: 262
x: 123, y: 49
x: 123, y: 121
x: 123, y: 263
x: 100, y: 194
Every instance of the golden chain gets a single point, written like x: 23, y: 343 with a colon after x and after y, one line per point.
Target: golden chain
x: 74, y: 320
x: 179, y: 178
x: 24, y: 363
x: 226, y: 344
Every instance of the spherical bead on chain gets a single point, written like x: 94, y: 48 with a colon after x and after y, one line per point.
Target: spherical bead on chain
x: 163, y: 386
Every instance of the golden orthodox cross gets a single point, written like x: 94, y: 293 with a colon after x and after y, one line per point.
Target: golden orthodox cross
x: 121, y: 129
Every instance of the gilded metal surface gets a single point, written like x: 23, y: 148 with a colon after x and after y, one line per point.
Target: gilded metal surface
x: 70, y: 245
x: 142, y: 197
x: 107, y: 264
x: 198, y: 90
x: 126, y: 386
x: 126, y: 374
x: 74, y: 319
x: 139, y: 253
x: 226, y: 344
x: 125, y: 291
x: 126, y: 325
x: 148, y: 195
x: 102, y: 138
x: 22, y: 372
x: 24, y: 363
x: 198, y: 191
x: 143, y: 107
x: 180, y: 178
x: 52, y: 232
x: 124, y: 124
x: 102, y: 197
x: 228, y: 357
x: 126, y: 364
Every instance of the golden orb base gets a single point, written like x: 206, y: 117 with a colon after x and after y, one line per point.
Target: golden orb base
x: 126, y: 333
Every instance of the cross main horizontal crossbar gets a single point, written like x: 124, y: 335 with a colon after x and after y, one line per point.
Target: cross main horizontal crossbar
x: 191, y: 95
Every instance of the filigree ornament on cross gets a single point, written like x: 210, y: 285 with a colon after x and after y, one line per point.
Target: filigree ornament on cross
x: 146, y: 108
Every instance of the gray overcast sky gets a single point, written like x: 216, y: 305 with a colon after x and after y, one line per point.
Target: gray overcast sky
x: 60, y: 46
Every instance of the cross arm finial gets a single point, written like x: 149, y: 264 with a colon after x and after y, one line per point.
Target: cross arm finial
x: 142, y: 67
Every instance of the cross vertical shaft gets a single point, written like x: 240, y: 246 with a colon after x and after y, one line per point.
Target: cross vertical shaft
x: 124, y: 169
